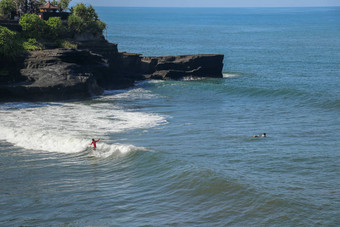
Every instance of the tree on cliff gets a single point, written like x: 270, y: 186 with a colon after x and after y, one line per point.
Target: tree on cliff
x: 63, y: 4
x: 10, y: 45
x: 54, y: 28
x: 28, y: 6
x: 34, y: 27
x: 7, y: 7
x: 85, y: 19
x: 32, y: 6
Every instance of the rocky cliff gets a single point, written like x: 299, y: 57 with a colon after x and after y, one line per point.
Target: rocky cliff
x: 60, y: 74
x: 57, y: 75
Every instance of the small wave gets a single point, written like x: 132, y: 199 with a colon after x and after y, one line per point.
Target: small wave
x: 231, y: 75
x: 193, y: 78
x: 133, y: 94
x: 46, y: 141
x: 225, y: 75
x: 329, y: 104
x: 205, y: 182
x: 152, y: 82
x: 107, y: 150
x: 285, y: 93
x: 68, y: 127
x: 42, y: 140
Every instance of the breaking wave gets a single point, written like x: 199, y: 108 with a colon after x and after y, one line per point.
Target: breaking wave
x: 69, y: 127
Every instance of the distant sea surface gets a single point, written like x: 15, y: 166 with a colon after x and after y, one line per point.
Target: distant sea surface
x: 182, y: 153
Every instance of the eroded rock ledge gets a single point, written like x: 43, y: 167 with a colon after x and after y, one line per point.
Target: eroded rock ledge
x: 178, y: 67
x: 61, y: 74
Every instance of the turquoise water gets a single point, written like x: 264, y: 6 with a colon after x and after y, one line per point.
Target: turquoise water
x: 182, y: 153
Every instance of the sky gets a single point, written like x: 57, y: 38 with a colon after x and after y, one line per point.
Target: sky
x: 210, y: 3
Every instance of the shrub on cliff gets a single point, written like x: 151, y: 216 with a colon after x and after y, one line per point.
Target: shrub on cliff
x: 75, y: 24
x: 85, y: 19
x: 10, y: 43
x: 32, y: 44
x: 66, y: 43
x: 32, y: 26
x: 54, y: 28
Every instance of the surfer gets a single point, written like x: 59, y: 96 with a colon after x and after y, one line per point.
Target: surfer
x: 94, y: 143
x: 263, y: 135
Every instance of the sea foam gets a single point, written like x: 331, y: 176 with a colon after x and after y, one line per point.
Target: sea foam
x: 46, y: 140
x: 69, y: 127
x: 231, y: 75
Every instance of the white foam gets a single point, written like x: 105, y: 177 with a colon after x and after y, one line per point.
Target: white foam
x: 69, y: 127
x: 45, y: 140
x: 41, y: 140
x: 106, y: 150
x: 133, y: 94
x: 230, y: 75
x: 192, y: 78
x: 225, y: 75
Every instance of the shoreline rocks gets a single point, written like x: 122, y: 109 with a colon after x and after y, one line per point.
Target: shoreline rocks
x: 178, y: 67
x: 62, y: 74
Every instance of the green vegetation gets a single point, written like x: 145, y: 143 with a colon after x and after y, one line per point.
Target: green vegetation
x: 10, y: 43
x: 36, y: 31
x: 32, y: 26
x: 7, y: 7
x: 63, y: 4
x: 54, y: 28
x: 13, y: 7
x: 32, y: 44
x: 66, y: 44
x: 85, y: 19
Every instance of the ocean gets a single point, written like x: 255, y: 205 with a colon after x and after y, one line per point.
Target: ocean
x: 182, y: 153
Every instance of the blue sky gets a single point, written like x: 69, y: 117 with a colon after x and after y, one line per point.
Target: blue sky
x: 211, y: 3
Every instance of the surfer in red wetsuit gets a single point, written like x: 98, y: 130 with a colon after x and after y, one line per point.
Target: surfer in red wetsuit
x: 94, y: 143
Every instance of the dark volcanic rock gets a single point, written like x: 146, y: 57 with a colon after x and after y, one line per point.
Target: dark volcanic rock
x: 57, y: 74
x: 60, y: 74
x: 178, y: 67
x: 121, y: 72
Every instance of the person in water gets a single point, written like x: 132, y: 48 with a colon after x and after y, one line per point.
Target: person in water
x: 263, y: 135
x: 94, y: 143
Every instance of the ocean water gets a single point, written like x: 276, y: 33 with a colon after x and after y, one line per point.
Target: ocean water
x: 182, y: 153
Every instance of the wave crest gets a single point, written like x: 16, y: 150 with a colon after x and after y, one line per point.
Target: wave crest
x: 69, y: 127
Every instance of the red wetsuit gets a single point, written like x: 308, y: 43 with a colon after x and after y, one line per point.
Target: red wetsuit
x: 94, y: 143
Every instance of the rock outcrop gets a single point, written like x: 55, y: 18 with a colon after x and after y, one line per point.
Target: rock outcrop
x: 60, y: 74
x: 179, y: 67
x: 57, y: 74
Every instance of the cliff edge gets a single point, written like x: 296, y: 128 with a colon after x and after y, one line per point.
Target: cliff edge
x: 61, y: 74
